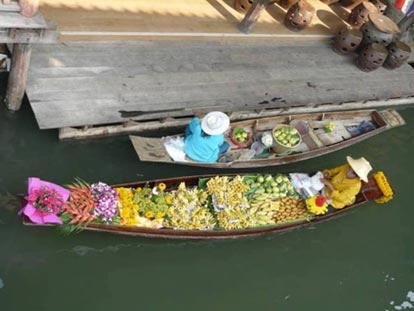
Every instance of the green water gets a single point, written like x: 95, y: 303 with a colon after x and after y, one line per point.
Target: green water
x: 361, y: 261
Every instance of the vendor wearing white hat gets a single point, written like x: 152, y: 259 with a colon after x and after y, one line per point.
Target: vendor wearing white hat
x: 205, y: 141
x: 343, y: 183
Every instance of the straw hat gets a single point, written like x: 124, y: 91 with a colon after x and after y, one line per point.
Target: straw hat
x: 360, y: 166
x: 215, y: 123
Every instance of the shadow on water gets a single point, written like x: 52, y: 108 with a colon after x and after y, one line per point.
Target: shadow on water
x: 361, y: 261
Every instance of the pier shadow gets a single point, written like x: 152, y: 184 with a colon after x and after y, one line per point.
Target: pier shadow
x: 340, y: 11
x: 109, y: 20
x: 328, y: 21
x: 224, y: 11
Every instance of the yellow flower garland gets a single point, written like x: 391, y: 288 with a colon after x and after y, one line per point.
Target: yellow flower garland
x: 384, y: 186
x: 314, y: 208
x: 128, y: 210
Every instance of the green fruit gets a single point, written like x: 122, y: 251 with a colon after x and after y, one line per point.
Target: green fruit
x: 268, y: 178
x: 260, y: 190
x: 260, y: 179
x: 269, y: 190
x: 273, y: 183
x: 254, y: 185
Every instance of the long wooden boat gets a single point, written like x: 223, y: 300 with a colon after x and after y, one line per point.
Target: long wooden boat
x: 369, y: 191
x: 315, y: 142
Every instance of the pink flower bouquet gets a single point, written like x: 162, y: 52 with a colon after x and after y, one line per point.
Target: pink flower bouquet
x: 44, y: 201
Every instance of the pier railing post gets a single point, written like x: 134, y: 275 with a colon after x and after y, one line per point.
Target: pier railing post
x: 18, y: 75
x: 251, y: 17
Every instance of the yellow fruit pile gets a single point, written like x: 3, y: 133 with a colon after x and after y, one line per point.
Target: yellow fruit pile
x: 227, y: 193
x: 291, y: 209
x: 229, y: 201
x: 189, y: 210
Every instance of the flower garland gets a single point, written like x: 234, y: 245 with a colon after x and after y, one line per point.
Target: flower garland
x: 317, y: 205
x: 384, y: 186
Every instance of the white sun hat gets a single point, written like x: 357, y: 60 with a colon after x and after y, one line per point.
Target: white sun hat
x: 215, y: 123
x: 360, y: 166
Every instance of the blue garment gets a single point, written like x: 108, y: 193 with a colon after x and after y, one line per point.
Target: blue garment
x: 201, y: 147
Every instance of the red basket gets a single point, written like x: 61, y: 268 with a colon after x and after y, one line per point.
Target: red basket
x: 238, y: 143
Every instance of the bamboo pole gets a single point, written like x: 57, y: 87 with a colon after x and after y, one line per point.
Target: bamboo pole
x: 18, y: 75
x: 29, y: 8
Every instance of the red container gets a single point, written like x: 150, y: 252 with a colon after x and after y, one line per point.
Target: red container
x: 238, y: 143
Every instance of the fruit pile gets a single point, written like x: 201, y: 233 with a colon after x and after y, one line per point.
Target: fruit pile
x: 229, y: 201
x: 291, y: 209
x: 240, y: 135
x: 189, y: 210
x: 329, y: 127
x: 278, y: 186
x: 287, y: 136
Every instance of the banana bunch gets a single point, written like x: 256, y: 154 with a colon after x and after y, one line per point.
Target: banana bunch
x: 227, y: 193
x: 262, y: 209
x: 234, y: 218
x: 189, y: 210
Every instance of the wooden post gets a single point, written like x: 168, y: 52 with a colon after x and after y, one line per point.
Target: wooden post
x: 18, y: 75
x: 251, y: 17
x: 29, y: 8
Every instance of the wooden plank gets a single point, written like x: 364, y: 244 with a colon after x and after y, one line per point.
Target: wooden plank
x: 12, y: 6
x: 15, y: 20
x: 23, y: 35
x: 151, y: 80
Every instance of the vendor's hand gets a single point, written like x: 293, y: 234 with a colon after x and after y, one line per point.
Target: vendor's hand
x: 326, y: 175
x: 327, y: 183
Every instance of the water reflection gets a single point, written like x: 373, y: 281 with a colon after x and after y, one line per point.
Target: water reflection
x: 9, y: 201
x: 405, y: 305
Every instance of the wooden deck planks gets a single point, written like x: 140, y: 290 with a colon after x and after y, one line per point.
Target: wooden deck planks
x: 15, y: 20
x: 13, y: 6
x: 89, y: 83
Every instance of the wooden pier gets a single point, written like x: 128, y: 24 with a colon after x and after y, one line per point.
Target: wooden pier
x: 21, y: 25
x: 125, y: 66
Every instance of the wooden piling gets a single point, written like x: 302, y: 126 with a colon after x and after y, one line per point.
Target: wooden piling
x: 18, y: 75
x: 29, y: 8
x: 251, y: 17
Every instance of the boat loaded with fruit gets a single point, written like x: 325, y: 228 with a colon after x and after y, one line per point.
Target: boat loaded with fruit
x: 266, y: 141
x: 205, y: 207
